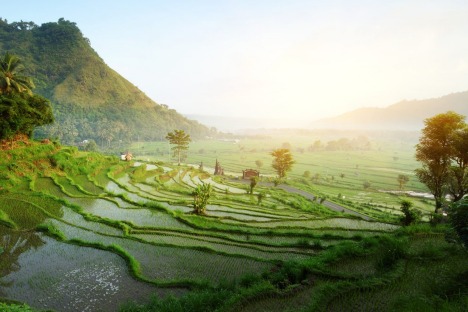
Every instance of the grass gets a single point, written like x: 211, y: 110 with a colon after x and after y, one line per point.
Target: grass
x: 242, y: 255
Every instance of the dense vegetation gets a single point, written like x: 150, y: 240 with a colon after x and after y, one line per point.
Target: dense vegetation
x: 21, y: 111
x: 96, y: 218
x: 90, y: 101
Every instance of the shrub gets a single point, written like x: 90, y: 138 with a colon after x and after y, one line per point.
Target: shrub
x: 410, y: 216
x: 391, y: 250
x: 249, y: 280
x: 459, y: 220
x: 286, y: 274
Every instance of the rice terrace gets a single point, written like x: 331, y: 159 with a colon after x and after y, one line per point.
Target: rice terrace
x: 118, y: 231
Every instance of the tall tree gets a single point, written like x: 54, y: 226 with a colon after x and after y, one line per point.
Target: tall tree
x: 11, y: 79
x: 402, y: 180
x: 436, y: 150
x: 458, y: 173
x: 282, y: 161
x: 180, y: 140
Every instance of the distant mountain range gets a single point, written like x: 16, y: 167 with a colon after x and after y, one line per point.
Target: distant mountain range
x: 89, y: 99
x: 404, y: 115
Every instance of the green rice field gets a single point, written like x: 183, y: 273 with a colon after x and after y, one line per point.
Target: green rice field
x: 88, y: 232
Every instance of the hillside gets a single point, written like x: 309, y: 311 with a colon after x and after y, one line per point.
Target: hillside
x: 90, y: 100
x: 405, y: 115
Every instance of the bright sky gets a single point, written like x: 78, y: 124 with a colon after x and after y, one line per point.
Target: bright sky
x: 296, y: 59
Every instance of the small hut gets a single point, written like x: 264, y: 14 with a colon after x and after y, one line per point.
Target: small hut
x: 247, y: 174
x: 126, y: 156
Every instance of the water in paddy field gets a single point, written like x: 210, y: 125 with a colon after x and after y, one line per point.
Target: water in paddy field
x: 47, y: 274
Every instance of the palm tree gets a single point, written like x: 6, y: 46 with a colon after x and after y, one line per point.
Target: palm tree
x: 11, y: 79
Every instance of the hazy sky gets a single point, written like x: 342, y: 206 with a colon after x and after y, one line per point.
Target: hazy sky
x: 280, y: 59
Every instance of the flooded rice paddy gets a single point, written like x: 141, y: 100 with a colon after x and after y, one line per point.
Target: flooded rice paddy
x: 108, y: 240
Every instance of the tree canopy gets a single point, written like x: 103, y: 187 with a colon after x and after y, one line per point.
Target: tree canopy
x: 180, y: 140
x: 282, y: 161
x: 443, y: 154
x: 20, y: 110
x: 11, y: 79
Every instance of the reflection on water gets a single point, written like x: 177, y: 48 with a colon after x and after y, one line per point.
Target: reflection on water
x: 47, y: 274
x: 14, y: 244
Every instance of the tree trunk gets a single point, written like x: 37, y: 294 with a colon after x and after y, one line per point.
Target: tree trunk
x: 438, y: 201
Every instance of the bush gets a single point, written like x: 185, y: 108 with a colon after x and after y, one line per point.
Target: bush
x: 249, y: 280
x: 391, y: 250
x: 458, y: 215
x: 410, y: 216
x: 286, y: 274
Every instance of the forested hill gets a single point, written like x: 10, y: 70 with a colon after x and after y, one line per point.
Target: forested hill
x: 89, y: 99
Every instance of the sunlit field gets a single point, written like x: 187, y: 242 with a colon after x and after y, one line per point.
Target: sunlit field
x: 84, y: 231
x: 330, y: 173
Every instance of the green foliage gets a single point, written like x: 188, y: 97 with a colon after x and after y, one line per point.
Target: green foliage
x: 260, y: 196
x: 90, y: 146
x: 459, y: 220
x: 282, y: 161
x: 391, y: 249
x: 286, y: 274
x: 410, y: 215
x: 253, y: 183
x: 441, y: 144
x: 15, y: 307
x: 11, y: 80
x: 52, y: 231
x: 22, y: 113
x: 201, y: 195
x: 180, y: 140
